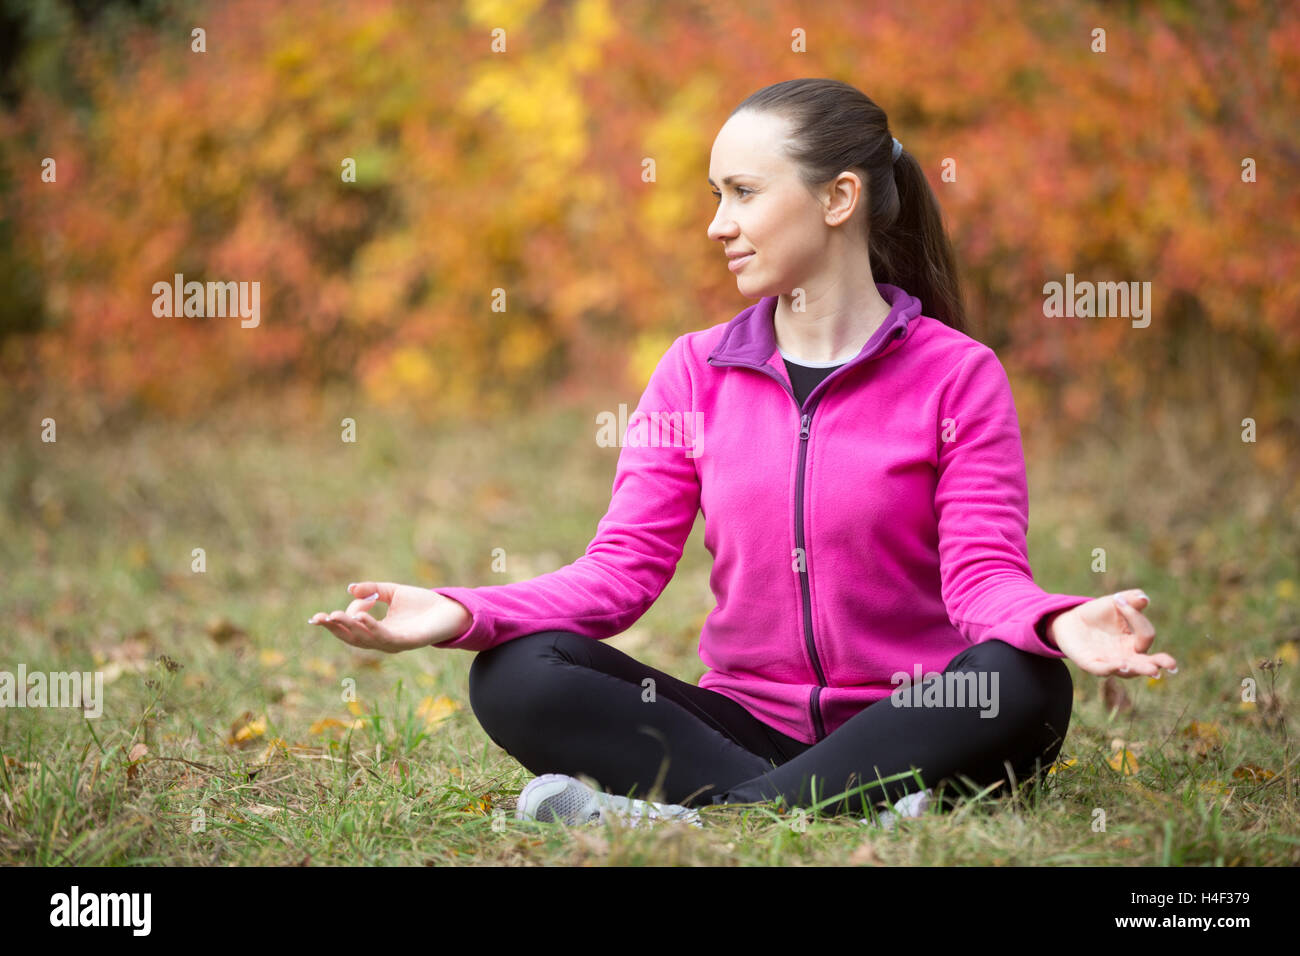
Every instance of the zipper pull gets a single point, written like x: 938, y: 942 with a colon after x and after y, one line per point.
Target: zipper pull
x: 803, y: 431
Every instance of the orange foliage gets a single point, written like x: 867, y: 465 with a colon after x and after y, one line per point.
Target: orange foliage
x: 522, y: 171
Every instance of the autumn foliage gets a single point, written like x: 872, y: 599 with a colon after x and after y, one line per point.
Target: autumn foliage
x: 523, y: 171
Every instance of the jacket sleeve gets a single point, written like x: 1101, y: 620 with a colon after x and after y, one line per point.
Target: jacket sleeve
x: 982, y: 504
x: 638, y: 543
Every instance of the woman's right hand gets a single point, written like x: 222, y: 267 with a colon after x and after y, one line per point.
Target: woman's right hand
x: 417, y: 617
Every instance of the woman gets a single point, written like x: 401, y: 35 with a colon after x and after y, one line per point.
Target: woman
x: 857, y: 459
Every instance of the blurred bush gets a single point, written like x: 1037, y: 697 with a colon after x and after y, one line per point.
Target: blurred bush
x: 522, y: 171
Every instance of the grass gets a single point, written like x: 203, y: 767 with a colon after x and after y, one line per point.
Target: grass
x: 227, y: 737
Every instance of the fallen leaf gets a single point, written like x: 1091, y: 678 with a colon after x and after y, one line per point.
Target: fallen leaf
x: 1061, y: 765
x: 436, y: 710
x: 481, y: 806
x: 1249, y: 771
x: 270, y: 657
x: 321, y: 668
x: 326, y: 724
x: 245, y: 731
x: 1124, y: 761
x: 222, y: 631
x: 1204, y: 737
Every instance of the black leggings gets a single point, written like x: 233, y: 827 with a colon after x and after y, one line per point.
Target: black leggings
x: 559, y: 702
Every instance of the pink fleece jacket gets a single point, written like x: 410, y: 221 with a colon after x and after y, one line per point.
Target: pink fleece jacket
x: 877, y: 529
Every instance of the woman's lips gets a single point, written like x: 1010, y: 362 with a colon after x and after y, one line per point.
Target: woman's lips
x: 738, y: 263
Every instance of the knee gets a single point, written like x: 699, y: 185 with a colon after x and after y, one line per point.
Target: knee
x: 503, y: 678
x: 1035, y: 693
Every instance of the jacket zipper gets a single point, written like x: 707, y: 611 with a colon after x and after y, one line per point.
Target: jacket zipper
x: 819, y: 731
x: 805, y: 423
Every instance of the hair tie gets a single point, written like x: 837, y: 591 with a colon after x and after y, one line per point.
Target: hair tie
x: 898, y: 149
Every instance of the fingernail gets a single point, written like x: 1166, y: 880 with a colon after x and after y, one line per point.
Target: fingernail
x: 1119, y: 599
x: 372, y: 597
x: 1173, y: 670
x: 1143, y: 595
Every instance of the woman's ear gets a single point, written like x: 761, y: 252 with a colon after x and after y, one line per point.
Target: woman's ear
x: 843, y: 198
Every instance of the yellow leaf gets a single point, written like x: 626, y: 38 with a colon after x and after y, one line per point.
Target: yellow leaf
x: 1285, y: 589
x: 1204, y: 737
x: 1061, y: 765
x: 355, y: 708
x: 1124, y: 761
x: 270, y: 658
x: 1289, y: 651
x: 481, y: 807
x: 252, y: 729
x: 245, y: 731
x: 1249, y: 771
x: 276, y: 743
x: 326, y: 724
x: 434, y: 711
x: 321, y: 667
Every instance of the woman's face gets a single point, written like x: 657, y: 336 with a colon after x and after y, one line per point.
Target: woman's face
x: 764, y: 210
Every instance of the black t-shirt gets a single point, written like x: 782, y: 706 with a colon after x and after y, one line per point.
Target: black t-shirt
x: 805, y: 378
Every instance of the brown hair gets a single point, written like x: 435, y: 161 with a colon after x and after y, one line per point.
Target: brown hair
x: 836, y: 127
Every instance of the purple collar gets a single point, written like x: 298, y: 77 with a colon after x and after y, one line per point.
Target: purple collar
x: 750, y: 338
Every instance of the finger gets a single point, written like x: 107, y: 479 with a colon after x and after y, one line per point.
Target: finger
x: 1143, y: 630
x: 359, y: 637
x: 381, y: 637
x: 337, y: 629
x: 370, y: 600
x: 363, y: 589
x: 370, y: 627
x: 1165, y: 661
x: 1138, y: 665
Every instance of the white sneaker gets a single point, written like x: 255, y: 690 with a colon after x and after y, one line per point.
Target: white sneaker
x: 911, y: 805
x: 560, y: 798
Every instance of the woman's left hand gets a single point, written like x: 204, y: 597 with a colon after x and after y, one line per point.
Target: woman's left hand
x: 1107, y: 637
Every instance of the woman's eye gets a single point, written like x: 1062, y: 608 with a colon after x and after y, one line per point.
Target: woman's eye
x: 739, y: 189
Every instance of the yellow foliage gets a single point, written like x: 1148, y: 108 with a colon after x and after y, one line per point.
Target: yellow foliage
x: 522, y: 347
x: 507, y: 14
x: 646, y: 352
x: 1124, y: 761
x: 436, y: 710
